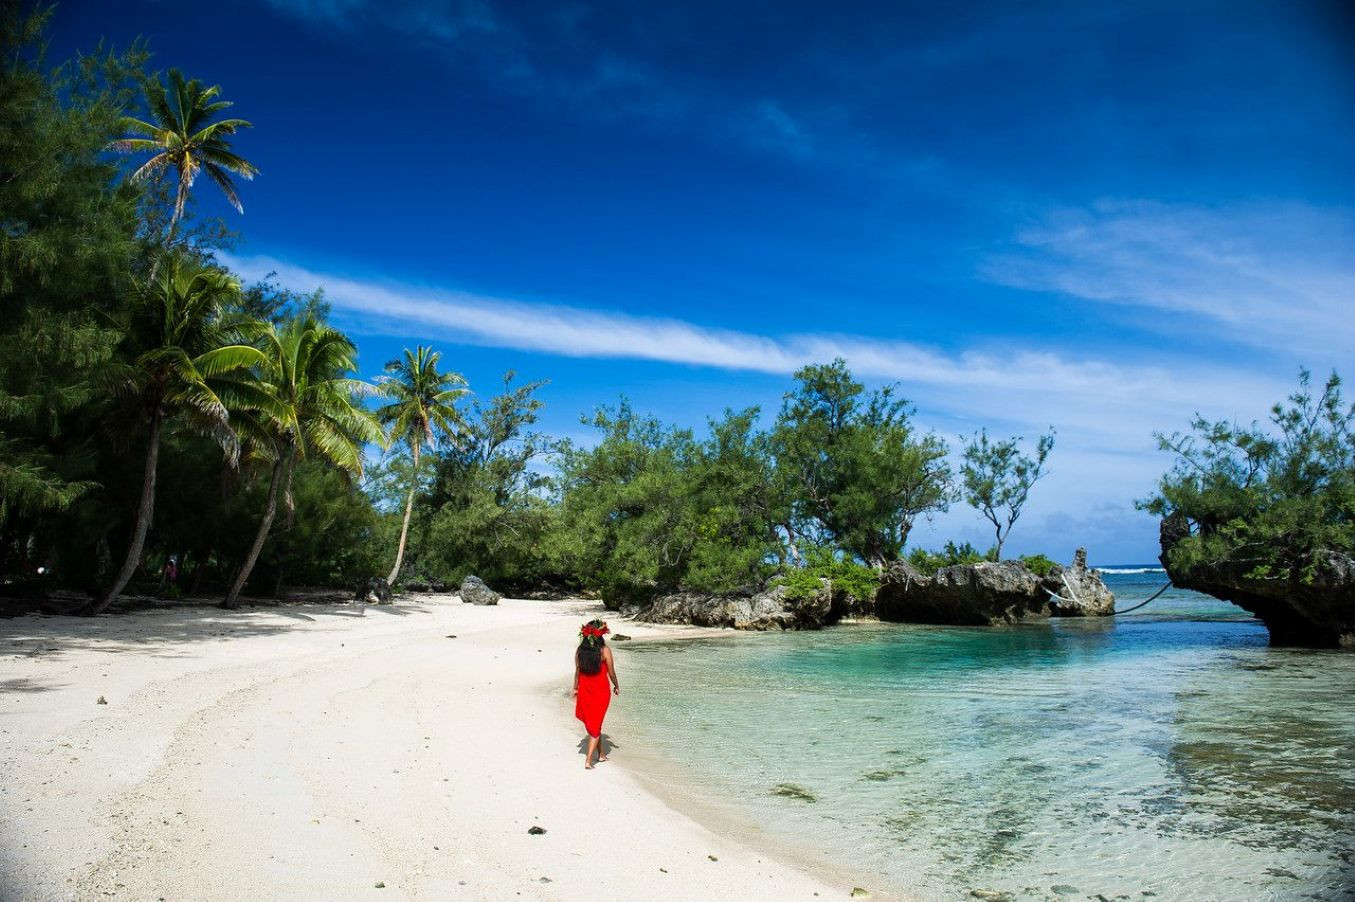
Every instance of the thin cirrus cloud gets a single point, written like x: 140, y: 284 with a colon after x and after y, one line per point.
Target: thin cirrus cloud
x: 1013, y: 386
x: 1276, y: 277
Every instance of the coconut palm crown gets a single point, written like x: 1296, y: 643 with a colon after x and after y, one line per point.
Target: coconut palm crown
x: 314, y: 413
x: 182, y: 138
x: 422, y: 406
x: 181, y: 358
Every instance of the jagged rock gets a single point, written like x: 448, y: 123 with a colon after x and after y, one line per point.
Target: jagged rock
x: 1080, y: 591
x: 964, y: 595
x: 474, y: 591
x: 1316, y: 612
x: 742, y: 610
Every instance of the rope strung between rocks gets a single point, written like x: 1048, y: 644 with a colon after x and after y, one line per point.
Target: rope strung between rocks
x: 1078, y: 601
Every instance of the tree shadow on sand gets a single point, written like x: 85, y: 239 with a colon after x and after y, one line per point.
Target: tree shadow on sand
x: 164, y: 629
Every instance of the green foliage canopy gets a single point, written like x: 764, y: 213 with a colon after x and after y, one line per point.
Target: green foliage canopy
x: 1271, y: 498
x: 853, y: 470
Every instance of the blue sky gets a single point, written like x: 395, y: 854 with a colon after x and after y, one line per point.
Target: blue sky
x: 1100, y: 217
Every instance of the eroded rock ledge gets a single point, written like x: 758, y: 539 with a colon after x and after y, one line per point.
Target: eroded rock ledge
x: 1318, y: 612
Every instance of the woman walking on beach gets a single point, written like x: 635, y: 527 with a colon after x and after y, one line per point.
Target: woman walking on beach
x: 593, y: 667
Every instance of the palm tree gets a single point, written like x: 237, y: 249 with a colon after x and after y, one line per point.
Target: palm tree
x: 422, y: 405
x: 179, y: 354
x: 182, y: 138
x: 314, y: 413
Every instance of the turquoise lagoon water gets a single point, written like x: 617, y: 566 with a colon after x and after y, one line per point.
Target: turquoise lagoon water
x: 1171, y: 753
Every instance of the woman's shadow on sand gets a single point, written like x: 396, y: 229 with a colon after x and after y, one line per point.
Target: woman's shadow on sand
x: 605, y: 745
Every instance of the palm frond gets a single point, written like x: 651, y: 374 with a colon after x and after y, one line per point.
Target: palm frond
x: 223, y: 181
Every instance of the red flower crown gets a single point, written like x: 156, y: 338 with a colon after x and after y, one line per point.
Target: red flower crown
x: 591, y: 633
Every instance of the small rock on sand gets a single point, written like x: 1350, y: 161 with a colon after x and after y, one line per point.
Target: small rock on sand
x: 536, y: 831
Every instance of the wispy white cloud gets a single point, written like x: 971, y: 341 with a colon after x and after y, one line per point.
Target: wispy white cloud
x: 1010, y: 384
x: 1269, y: 275
x: 1105, y: 412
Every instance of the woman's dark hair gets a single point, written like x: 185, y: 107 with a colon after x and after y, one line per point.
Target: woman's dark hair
x: 590, y: 657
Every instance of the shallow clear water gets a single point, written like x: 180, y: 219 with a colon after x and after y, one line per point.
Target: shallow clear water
x: 1168, y: 753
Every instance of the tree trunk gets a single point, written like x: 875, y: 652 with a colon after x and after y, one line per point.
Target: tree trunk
x: 409, y: 509
x: 287, y: 523
x: 143, y: 522
x: 232, y: 599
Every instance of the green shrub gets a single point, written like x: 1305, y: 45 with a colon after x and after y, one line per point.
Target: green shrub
x: 1038, y: 564
x: 928, y: 562
x: 844, y: 574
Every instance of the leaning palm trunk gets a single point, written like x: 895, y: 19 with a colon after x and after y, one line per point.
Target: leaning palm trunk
x: 143, y: 522
x: 404, y: 529
x: 282, y: 472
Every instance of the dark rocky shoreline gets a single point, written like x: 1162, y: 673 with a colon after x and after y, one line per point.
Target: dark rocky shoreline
x: 982, y: 594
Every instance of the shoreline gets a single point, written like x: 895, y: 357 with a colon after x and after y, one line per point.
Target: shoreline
x: 336, y: 751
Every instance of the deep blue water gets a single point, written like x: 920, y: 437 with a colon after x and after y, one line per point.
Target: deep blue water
x: 1169, y: 752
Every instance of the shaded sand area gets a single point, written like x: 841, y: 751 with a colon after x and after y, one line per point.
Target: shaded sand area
x: 327, y: 752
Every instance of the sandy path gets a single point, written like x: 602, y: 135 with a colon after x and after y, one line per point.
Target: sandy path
x: 313, y: 753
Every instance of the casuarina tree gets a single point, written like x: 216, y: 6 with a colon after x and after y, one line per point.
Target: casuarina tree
x: 998, y: 478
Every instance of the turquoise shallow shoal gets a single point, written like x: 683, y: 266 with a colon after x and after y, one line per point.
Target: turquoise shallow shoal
x: 1171, y: 753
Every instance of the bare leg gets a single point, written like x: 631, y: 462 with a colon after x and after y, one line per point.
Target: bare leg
x: 592, y: 749
x: 602, y: 749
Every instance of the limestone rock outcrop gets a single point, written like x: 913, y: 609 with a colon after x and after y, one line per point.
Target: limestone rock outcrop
x: 770, y: 609
x: 1315, y: 606
x: 980, y: 594
x: 1077, y: 590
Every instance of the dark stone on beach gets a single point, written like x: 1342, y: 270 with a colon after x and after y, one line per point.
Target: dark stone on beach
x: 536, y: 831
x: 373, y: 591
x: 543, y: 592
x: 992, y: 895
x: 746, y: 609
x: 1077, y: 590
x: 980, y: 594
x: 474, y: 591
x: 416, y: 586
x: 1314, y: 607
x: 620, y: 637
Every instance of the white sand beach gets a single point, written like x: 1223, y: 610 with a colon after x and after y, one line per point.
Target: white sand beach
x: 326, y: 752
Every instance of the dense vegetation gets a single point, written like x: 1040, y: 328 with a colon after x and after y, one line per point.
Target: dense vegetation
x: 165, y: 427
x: 1272, y: 499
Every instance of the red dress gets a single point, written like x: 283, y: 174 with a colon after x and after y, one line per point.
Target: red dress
x: 594, y: 697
